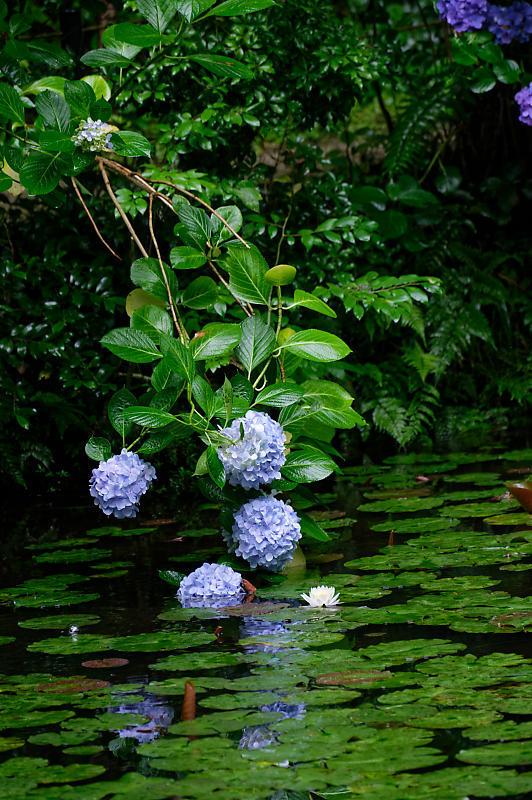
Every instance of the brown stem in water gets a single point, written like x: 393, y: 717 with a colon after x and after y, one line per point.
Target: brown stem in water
x: 188, y: 710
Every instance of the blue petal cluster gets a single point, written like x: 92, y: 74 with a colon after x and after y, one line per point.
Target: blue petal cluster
x: 463, y: 15
x: 93, y: 135
x: 118, y: 483
x: 510, y: 22
x: 524, y: 99
x: 266, y: 532
x: 211, y: 586
x: 255, y: 457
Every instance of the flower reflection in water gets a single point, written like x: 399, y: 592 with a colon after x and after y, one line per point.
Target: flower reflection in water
x: 160, y: 716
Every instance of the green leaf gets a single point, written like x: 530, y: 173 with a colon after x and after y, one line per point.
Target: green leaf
x: 56, y: 141
x: 120, y: 400
x: 131, y: 345
x: 196, y: 223
x: 234, y: 7
x: 163, y: 437
x: 483, y: 80
x: 139, y: 298
x: 247, y: 269
x: 219, y: 231
x: 148, y: 417
x: 187, y: 258
x: 224, y: 66
x: 137, y: 35
x: 151, y: 320
x: 219, y: 339
x: 146, y: 273
x: 201, y: 293
x: 10, y: 104
x: 41, y: 172
x: 328, y: 394
x: 242, y: 387
x: 129, y: 143
x: 104, y: 58
x: 256, y: 344
x: 308, y: 300
x: 507, y: 71
x: 163, y: 377
x: 178, y: 357
x: 159, y: 13
x: 79, y: 96
x: 53, y: 109
x: 310, y: 528
x: 279, y: 395
x: 98, y: 448
x: 171, y: 576
x: 307, y: 465
x: 316, y: 346
x: 100, y: 108
x: 216, y: 468
x: 191, y: 9
x: 203, y: 395
x: 53, y: 82
x: 227, y: 396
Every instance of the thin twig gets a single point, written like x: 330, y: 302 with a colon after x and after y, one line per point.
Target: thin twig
x: 121, y: 211
x: 179, y: 329
x: 222, y: 280
x: 88, y: 213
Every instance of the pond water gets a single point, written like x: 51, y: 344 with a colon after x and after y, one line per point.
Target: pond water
x: 419, y: 685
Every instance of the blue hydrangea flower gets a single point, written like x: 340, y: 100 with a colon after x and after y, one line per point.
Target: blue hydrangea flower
x: 266, y: 532
x: 93, y: 135
x: 256, y: 457
x: 118, y: 483
x: 510, y: 22
x: 524, y: 99
x: 211, y: 586
x: 463, y: 15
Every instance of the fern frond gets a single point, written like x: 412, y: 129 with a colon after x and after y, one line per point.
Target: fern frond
x: 416, y: 128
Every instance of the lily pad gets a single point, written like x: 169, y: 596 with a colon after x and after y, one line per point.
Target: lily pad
x: 60, y: 621
x: 403, y: 505
x: 73, y: 556
x: 416, y: 524
x: 517, y: 518
x: 502, y: 754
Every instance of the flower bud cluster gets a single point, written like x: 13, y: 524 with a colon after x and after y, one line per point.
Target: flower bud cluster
x: 93, y: 135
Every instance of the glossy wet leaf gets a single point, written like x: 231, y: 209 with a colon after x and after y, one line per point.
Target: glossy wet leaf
x: 60, y: 621
x: 401, y: 505
x: 73, y: 556
x: 416, y: 524
x: 502, y: 753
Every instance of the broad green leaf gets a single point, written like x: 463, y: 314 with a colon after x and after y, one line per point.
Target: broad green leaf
x: 159, y: 13
x: 215, y: 466
x: 279, y: 395
x: 242, y: 387
x: 247, y: 269
x: 187, y: 258
x: 219, y: 231
x: 309, y: 527
x: 316, y: 346
x: 102, y: 91
x: 137, y: 35
x: 139, y: 298
x: 163, y: 377
x: 224, y: 66
x: 191, y: 9
x: 203, y: 395
x: 308, y: 300
x: 327, y: 394
x: 171, y: 576
x: 56, y: 141
x: 146, y: 273
x: 79, y: 96
x: 281, y: 275
x: 104, y: 58
x: 52, y: 82
x: 201, y: 293
x: 219, y: 339
x: 98, y: 448
x: 120, y: 400
x: 11, y: 107
x: 227, y: 396
x: 131, y: 345
x: 196, y: 223
x: 165, y: 399
x: 112, y: 41
x: 345, y: 418
x: 148, y: 417
x: 41, y: 171
x: 129, y: 143
x: 178, y: 357
x: 256, y: 344
x: 163, y: 437
x: 151, y: 320
x: 307, y: 465
x: 53, y: 109
x: 231, y: 8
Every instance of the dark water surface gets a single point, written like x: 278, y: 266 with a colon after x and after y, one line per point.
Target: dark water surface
x: 419, y: 685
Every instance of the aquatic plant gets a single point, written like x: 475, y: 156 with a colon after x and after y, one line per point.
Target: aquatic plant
x: 322, y: 596
x: 118, y: 483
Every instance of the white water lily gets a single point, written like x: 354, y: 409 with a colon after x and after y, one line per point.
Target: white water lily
x: 322, y: 596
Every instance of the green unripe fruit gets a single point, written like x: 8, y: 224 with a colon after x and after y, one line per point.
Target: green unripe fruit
x: 285, y: 334
x: 281, y: 275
